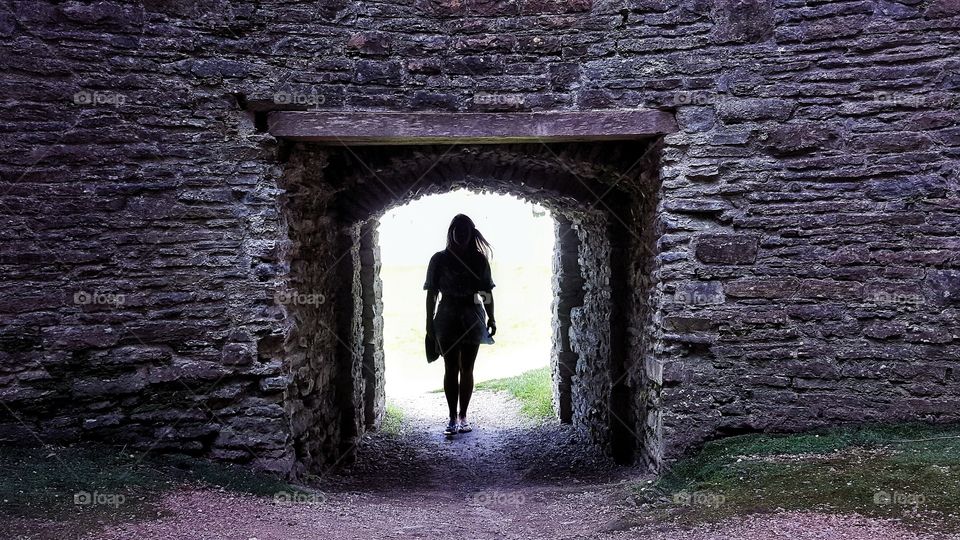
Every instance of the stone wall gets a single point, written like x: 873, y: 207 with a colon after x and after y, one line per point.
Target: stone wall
x: 589, y: 330
x: 567, y: 284
x: 804, y: 269
x: 643, y: 372
x: 374, y: 396
x: 309, y: 299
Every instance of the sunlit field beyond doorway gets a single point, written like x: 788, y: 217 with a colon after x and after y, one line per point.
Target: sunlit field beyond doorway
x: 522, y: 237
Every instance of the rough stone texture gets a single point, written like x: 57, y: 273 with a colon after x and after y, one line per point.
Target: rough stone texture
x: 310, y: 259
x: 374, y: 395
x: 590, y: 330
x: 642, y: 369
x: 567, y: 295
x: 163, y: 257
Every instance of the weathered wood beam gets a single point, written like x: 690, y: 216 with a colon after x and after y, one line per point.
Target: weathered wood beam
x: 355, y: 128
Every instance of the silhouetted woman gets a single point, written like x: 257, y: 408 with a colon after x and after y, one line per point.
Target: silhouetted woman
x: 464, y: 318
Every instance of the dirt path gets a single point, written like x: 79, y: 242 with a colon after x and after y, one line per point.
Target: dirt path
x: 509, y: 479
x: 504, y: 451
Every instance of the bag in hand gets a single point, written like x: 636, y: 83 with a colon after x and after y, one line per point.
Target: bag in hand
x: 432, y: 348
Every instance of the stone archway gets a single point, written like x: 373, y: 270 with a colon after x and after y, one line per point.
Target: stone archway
x: 603, y: 194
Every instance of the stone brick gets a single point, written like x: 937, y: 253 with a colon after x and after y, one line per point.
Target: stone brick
x: 942, y: 8
x: 829, y: 289
x: 126, y: 384
x: 235, y: 354
x: 688, y: 324
x: 762, y: 287
x: 942, y: 287
x: 734, y: 111
x: 727, y: 249
x: 912, y: 187
x: 370, y: 43
x: 794, y: 139
x: 742, y: 21
x: 377, y: 72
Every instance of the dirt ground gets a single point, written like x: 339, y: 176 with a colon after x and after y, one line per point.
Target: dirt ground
x: 510, y: 478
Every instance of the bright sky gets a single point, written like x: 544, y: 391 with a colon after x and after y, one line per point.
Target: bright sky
x: 410, y: 234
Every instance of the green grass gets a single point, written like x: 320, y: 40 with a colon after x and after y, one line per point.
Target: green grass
x: 837, y: 470
x: 392, y: 420
x: 43, y: 483
x: 532, y: 388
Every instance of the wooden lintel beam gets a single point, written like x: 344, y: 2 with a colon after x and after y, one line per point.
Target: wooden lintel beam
x: 354, y: 128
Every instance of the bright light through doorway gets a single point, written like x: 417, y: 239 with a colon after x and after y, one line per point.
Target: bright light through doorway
x: 522, y: 237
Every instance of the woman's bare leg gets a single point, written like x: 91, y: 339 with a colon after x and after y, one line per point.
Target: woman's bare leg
x: 451, y: 387
x: 468, y: 355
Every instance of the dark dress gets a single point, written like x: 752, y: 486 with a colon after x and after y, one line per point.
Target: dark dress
x: 460, y: 317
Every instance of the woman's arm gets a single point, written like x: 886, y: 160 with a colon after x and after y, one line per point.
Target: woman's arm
x: 431, y: 309
x: 488, y: 305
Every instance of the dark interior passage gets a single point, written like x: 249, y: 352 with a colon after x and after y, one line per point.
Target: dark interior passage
x: 598, y: 194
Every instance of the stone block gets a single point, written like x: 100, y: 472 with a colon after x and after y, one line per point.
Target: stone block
x: 742, y: 21
x: 942, y: 287
x: 937, y: 9
x: 793, y: 139
x: 762, y: 287
x: 727, y: 248
x: 735, y: 111
x: 239, y: 354
x: 370, y: 43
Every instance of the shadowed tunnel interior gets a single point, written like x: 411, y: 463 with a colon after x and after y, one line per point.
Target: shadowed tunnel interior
x: 599, y: 193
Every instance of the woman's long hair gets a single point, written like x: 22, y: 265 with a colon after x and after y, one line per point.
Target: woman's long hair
x: 462, y: 227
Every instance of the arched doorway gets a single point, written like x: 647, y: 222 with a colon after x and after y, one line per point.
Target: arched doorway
x: 602, y: 195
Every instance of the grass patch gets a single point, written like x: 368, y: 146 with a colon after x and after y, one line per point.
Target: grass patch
x: 96, y: 483
x: 908, y: 472
x: 532, y: 388
x: 392, y: 420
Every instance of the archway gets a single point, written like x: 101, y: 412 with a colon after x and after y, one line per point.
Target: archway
x: 521, y: 234
x: 602, y: 195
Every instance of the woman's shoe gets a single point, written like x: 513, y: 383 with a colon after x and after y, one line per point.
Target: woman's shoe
x: 451, y: 428
x: 465, y: 426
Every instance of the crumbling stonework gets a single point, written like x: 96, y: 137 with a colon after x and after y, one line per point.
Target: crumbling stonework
x: 374, y: 397
x: 177, y: 278
x: 567, y: 295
